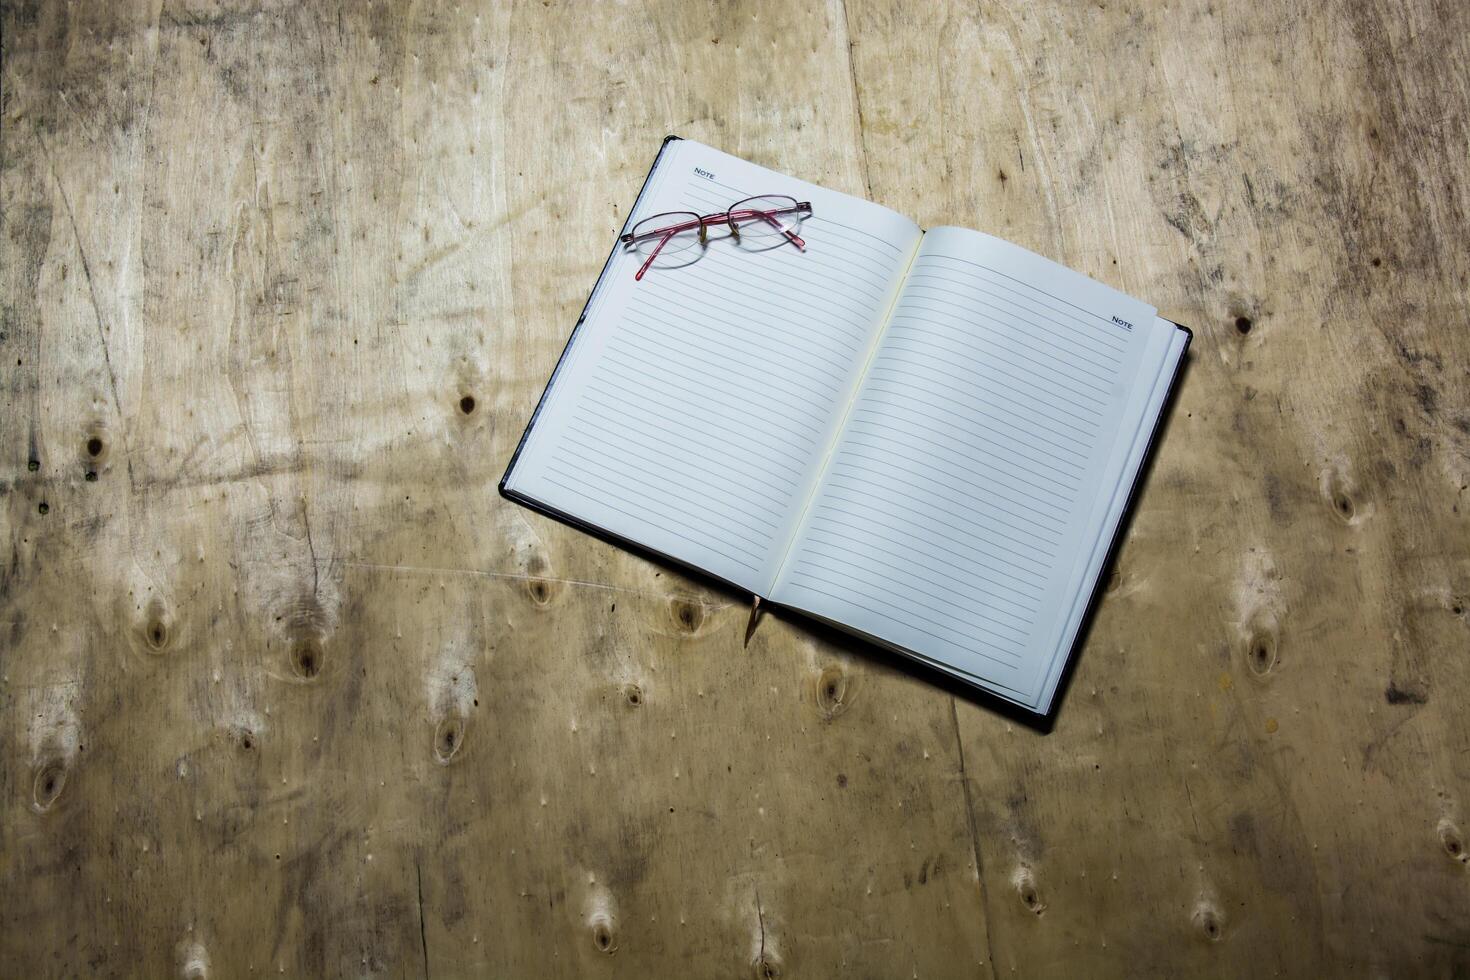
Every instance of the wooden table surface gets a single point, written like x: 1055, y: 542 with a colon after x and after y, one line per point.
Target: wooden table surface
x: 286, y: 687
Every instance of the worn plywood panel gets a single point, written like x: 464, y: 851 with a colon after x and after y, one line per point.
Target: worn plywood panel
x: 1262, y: 764
x: 285, y: 685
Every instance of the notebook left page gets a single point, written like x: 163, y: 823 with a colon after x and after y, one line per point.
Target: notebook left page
x: 692, y: 410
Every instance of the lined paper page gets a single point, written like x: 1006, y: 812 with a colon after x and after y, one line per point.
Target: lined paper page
x: 695, y: 407
x: 1110, y: 508
x: 962, y: 491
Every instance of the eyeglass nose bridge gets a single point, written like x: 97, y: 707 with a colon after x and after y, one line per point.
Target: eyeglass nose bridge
x: 803, y: 210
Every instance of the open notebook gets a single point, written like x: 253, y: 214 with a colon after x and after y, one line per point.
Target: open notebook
x: 924, y: 438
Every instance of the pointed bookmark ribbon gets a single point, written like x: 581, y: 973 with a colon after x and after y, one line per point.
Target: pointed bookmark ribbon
x: 755, y: 615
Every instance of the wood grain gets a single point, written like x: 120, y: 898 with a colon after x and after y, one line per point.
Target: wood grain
x: 286, y: 687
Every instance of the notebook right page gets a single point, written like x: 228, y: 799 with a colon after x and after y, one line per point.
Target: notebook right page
x: 970, y: 481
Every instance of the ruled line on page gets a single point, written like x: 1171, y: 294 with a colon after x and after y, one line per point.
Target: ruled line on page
x: 983, y: 562
x: 729, y: 290
x: 838, y: 560
x: 963, y: 460
x: 640, y: 514
x: 1048, y: 527
x: 867, y: 236
x: 863, y: 427
x: 1085, y: 322
x: 805, y: 293
x: 905, y: 330
x: 803, y: 276
x: 899, y: 357
x: 898, y: 418
x: 908, y: 422
x: 990, y: 345
x: 693, y: 478
x: 1045, y: 342
x: 775, y: 463
x: 865, y: 546
x: 770, y: 332
x: 656, y: 451
x: 923, y: 491
x: 1043, y: 507
x: 744, y: 354
x: 1058, y: 468
x: 697, y: 359
x: 925, y: 519
x: 864, y: 251
x: 902, y: 614
x: 896, y: 345
x: 834, y: 563
x: 833, y: 267
x: 773, y: 418
x: 860, y: 545
x: 1023, y: 581
x: 797, y: 372
x: 926, y: 515
x: 1058, y: 442
x: 640, y: 403
x: 861, y: 582
x: 756, y: 342
x: 662, y: 492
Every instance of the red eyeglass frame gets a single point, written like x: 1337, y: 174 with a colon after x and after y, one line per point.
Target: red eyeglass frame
x: 730, y: 218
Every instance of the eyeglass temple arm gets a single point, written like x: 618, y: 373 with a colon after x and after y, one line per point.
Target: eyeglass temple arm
x: 770, y: 218
x: 767, y: 216
x: 795, y: 238
x: 638, y: 277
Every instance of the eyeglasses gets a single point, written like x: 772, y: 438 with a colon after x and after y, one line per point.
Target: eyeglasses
x: 758, y: 223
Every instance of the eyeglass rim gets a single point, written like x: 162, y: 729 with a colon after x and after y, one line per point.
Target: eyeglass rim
x: 704, y: 220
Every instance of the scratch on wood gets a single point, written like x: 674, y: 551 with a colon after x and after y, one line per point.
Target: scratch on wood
x: 760, y: 917
x: 96, y: 308
x: 959, y: 745
x: 522, y: 577
x: 857, y: 102
x: 423, y: 934
x: 311, y: 547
